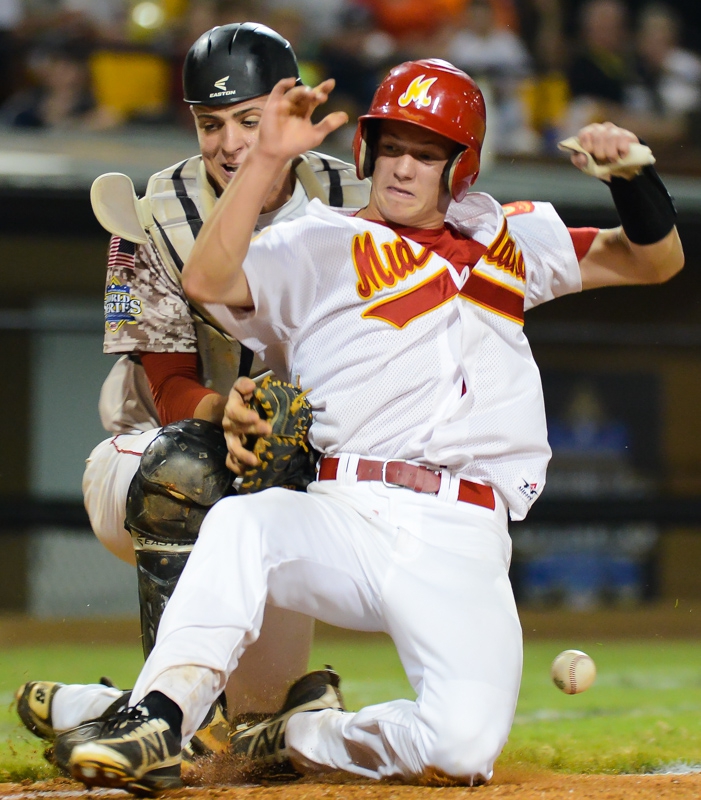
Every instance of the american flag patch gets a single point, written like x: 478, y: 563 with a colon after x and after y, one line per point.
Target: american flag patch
x: 121, y: 253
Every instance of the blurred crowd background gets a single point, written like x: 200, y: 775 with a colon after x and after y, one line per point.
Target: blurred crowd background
x: 546, y: 66
x: 92, y: 85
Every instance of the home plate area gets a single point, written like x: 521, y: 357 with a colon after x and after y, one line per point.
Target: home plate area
x: 521, y: 786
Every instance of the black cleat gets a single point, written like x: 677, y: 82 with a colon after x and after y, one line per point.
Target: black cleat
x: 85, y: 732
x: 264, y: 743
x: 212, y: 738
x: 34, y: 700
x: 135, y: 751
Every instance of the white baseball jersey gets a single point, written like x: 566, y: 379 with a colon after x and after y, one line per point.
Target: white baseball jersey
x: 452, y: 381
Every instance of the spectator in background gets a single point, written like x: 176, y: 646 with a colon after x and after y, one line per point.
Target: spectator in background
x: 228, y: 11
x: 292, y: 25
x: 541, y: 27
x: 671, y: 76
x: 410, y: 22
x: 602, y: 68
x: 62, y: 94
x: 604, y: 81
x: 497, y: 58
x: 481, y: 47
x: 106, y: 16
x: 11, y: 15
x: 320, y: 17
x: 546, y: 93
x: 357, y: 57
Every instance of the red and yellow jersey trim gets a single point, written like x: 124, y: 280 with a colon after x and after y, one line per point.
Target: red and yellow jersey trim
x: 494, y: 296
x: 485, y: 292
x: 401, y: 309
x: 518, y: 207
x: 382, y: 267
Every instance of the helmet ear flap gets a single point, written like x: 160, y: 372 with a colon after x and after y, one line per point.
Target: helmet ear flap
x: 363, y: 149
x: 461, y: 172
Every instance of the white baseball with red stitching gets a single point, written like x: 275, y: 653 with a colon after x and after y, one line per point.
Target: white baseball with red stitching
x: 573, y: 671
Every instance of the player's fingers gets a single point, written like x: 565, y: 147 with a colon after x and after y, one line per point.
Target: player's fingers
x: 302, y: 101
x: 238, y: 414
x: 281, y: 88
x: 239, y: 463
x: 323, y: 90
x: 236, y: 466
x: 624, y: 140
x: 238, y: 454
x: 599, y: 149
x: 586, y: 135
x: 617, y: 145
x: 330, y: 123
x: 593, y: 139
x: 244, y: 421
x: 232, y: 465
x: 244, y: 387
x: 606, y: 142
x: 317, y: 95
x: 306, y: 99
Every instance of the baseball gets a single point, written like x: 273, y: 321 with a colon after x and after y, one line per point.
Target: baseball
x: 573, y: 671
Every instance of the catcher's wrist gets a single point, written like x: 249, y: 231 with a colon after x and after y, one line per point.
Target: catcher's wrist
x: 644, y: 206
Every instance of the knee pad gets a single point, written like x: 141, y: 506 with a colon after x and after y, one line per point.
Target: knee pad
x: 182, y: 474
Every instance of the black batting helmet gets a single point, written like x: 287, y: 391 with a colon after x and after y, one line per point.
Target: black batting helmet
x: 232, y: 63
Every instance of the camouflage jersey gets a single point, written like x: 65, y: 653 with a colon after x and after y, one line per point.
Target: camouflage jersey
x: 145, y: 307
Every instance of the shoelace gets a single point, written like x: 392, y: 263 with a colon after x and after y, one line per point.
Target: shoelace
x: 122, y: 718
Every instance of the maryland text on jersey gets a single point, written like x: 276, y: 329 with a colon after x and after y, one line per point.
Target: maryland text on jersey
x: 380, y: 268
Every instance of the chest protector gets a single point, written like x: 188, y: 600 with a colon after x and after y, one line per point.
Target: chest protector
x: 171, y: 214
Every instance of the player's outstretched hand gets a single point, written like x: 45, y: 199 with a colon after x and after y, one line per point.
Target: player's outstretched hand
x: 241, y: 421
x: 606, y: 142
x: 286, y: 128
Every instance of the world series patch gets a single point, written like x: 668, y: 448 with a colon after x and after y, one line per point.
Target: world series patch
x: 120, y: 306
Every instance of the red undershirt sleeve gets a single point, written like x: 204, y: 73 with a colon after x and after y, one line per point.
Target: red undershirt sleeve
x: 175, y: 384
x: 582, y: 239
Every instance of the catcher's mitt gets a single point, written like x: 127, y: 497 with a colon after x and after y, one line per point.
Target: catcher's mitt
x: 286, y: 459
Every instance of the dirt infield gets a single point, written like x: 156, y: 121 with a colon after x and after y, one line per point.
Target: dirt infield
x: 527, y: 786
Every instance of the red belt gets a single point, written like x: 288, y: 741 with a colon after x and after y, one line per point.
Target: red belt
x: 409, y: 476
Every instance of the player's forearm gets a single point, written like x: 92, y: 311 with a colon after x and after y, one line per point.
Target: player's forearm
x: 658, y: 262
x: 211, y: 407
x: 213, y: 273
x: 613, y: 260
x: 177, y: 390
x: 646, y: 247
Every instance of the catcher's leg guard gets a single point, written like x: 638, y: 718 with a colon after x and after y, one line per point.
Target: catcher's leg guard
x: 158, y: 568
x: 182, y: 473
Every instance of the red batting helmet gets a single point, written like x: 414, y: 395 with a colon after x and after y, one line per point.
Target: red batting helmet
x: 435, y: 95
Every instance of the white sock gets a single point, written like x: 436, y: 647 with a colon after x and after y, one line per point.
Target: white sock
x: 76, y: 703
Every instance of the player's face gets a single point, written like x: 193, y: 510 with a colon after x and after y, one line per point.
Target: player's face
x: 225, y: 134
x: 407, y: 185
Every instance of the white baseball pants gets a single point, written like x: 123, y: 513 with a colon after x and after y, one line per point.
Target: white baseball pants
x: 281, y: 654
x: 432, y: 574
x: 109, y: 470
